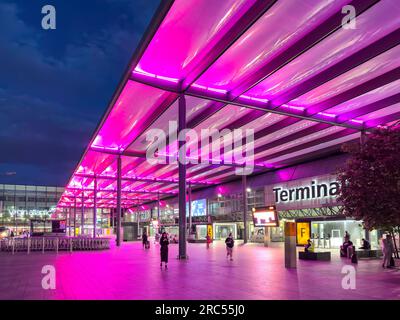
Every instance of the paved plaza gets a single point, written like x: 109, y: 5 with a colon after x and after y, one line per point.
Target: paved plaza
x: 129, y: 272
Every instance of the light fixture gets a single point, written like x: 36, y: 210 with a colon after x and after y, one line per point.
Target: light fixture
x: 248, y: 190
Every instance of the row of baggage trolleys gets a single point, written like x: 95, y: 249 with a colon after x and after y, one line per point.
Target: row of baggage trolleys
x: 53, y: 244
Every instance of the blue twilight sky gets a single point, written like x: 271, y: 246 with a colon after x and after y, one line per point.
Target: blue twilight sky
x: 55, y: 84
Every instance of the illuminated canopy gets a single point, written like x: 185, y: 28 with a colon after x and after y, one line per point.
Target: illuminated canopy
x: 287, y: 69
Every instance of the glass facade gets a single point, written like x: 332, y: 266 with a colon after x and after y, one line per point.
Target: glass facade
x: 20, y: 203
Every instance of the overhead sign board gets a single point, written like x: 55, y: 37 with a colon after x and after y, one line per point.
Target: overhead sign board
x: 265, y: 217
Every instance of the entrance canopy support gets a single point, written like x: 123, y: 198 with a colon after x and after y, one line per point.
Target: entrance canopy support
x: 83, y: 214
x: 75, y: 217
x: 119, y: 201
x: 182, y: 179
x: 244, y: 186
x: 95, y: 207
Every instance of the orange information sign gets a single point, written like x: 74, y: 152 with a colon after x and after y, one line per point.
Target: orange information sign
x: 290, y: 229
x: 303, y: 232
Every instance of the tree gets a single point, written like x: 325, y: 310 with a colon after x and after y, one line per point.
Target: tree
x: 370, y: 180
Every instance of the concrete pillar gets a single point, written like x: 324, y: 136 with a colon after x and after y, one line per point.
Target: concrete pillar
x: 290, y: 245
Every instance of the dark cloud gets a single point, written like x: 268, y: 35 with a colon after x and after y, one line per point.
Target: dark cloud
x: 54, y: 87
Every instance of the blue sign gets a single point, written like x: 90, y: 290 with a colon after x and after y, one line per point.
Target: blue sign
x: 199, y: 208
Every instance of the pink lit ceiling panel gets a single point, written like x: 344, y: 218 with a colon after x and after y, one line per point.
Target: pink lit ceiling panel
x: 188, y: 33
x: 194, y: 106
x: 136, y: 105
x: 296, y: 142
x: 371, y: 69
x: 367, y: 98
x: 266, y: 39
x: 334, y: 48
x: 380, y: 113
x: 338, y: 142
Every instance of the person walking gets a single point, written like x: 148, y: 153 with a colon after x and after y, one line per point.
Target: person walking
x: 144, y: 239
x: 387, y: 250
x: 229, y: 246
x: 208, y: 239
x: 164, y: 249
x: 156, y: 238
x: 346, y: 236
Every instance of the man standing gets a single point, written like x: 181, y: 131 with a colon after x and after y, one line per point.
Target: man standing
x: 387, y: 250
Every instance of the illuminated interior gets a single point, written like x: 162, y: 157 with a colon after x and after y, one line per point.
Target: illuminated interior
x: 303, y: 82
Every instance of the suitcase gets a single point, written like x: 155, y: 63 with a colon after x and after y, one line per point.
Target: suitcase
x: 392, y: 263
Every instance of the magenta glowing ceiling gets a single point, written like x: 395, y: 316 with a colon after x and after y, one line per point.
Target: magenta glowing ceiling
x: 286, y: 69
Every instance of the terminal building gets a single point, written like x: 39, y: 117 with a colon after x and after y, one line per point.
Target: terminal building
x: 288, y: 90
x: 21, y: 203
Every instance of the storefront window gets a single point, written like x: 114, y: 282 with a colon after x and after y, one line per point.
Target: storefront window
x: 330, y: 234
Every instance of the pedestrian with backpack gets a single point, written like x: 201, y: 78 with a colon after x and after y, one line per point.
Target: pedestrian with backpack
x: 229, y: 246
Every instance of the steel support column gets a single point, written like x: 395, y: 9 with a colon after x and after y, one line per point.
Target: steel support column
x: 158, y: 212
x: 182, y: 179
x: 75, y: 217
x: 83, y: 214
x: 244, y: 186
x: 118, y: 201
x: 94, y: 206
x: 190, y: 207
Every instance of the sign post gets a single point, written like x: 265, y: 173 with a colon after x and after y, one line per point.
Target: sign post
x: 265, y: 217
x: 267, y: 237
x: 290, y: 245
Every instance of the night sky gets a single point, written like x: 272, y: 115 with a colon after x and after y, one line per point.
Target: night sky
x: 56, y: 84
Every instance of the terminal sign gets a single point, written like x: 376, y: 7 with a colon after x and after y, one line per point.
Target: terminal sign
x: 265, y: 217
x: 312, y: 191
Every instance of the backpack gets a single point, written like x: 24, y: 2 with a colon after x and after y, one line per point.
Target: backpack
x: 230, y: 242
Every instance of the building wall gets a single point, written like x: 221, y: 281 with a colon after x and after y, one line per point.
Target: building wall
x: 19, y: 203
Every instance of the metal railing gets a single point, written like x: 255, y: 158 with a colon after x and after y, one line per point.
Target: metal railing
x: 53, y: 244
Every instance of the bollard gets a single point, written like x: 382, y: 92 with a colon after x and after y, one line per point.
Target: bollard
x: 43, y: 245
x: 12, y: 245
x: 70, y: 245
x: 290, y: 245
x: 29, y: 245
x: 56, y: 245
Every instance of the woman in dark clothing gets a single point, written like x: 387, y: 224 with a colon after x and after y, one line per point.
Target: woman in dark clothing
x: 144, y: 239
x: 164, y: 249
